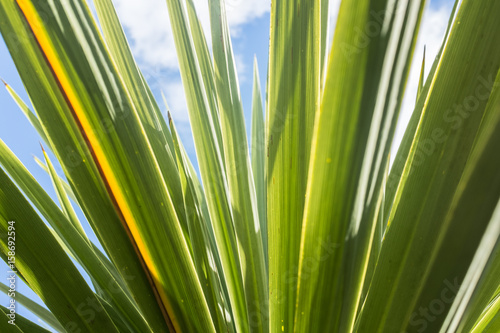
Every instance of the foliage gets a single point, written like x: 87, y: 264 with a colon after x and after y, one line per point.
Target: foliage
x: 303, y: 228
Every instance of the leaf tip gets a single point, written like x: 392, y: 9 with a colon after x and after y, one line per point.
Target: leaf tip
x: 255, y: 62
x: 169, y: 117
x: 41, y: 145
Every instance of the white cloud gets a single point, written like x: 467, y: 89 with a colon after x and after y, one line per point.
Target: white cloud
x: 241, y: 67
x: 434, y: 22
x: 240, y: 12
x: 148, y: 30
x: 148, y: 27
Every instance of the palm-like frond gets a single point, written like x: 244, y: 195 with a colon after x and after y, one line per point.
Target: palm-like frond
x: 303, y: 228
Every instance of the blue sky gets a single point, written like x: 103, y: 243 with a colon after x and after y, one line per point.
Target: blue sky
x: 147, y: 27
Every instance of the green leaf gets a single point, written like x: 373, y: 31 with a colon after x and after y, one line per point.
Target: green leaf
x: 76, y: 159
x: 478, y: 190
x: 207, y: 72
x: 241, y: 184
x: 308, y: 233
x: 292, y: 101
x: 486, y: 302
x: 421, y: 79
x: 397, y: 47
x: 490, y: 319
x: 63, y: 199
x: 417, y: 261
x: 489, y: 244
x: 494, y: 325
x: 365, y: 80
x: 325, y: 25
x: 86, y: 253
x: 148, y: 110
x: 34, y: 308
x: 121, y: 151
x: 65, y: 185
x: 403, y: 150
x: 210, y: 159
x: 21, y: 324
x: 204, y: 249
x: 258, y: 151
x: 33, y: 119
x: 47, y: 269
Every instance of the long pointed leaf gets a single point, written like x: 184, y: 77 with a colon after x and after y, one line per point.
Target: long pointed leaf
x: 421, y: 230
x: 34, y: 308
x: 76, y: 159
x: 239, y: 171
x: 65, y: 297
x: 21, y: 324
x: 293, y: 99
x: 209, y: 153
x: 258, y: 151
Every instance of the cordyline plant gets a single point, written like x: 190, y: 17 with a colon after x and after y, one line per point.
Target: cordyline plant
x: 309, y: 229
